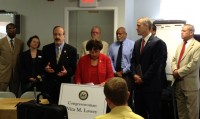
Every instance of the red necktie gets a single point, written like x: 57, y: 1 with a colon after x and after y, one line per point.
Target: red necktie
x: 181, y: 54
x: 142, y: 46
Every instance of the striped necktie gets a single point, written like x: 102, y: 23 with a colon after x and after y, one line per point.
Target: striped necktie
x: 58, y: 54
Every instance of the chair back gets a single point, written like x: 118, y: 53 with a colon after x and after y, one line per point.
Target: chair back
x: 6, y: 94
x: 30, y: 94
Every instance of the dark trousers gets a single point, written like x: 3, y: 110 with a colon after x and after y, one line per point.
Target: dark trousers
x: 52, y: 88
x: 129, y: 80
x: 148, y: 104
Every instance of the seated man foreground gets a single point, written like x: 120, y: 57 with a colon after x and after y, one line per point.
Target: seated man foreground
x: 117, y: 94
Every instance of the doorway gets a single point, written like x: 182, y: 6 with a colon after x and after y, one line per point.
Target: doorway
x: 79, y: 21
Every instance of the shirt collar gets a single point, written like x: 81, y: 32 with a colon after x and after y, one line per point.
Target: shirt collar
x: 61, y: 46
x: 10, y: 38
x: 147, y: 37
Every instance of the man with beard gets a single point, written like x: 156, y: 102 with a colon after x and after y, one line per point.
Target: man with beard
x: 10, y: 48
x: 59, y: 63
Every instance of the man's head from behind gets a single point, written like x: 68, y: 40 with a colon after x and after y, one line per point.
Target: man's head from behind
x: 153, y: 29
x: 116, y: 92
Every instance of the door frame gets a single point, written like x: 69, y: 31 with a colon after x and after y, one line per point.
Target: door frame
x: 68, y: 9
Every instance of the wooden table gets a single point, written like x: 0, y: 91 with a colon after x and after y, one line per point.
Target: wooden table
x: 8, y: 108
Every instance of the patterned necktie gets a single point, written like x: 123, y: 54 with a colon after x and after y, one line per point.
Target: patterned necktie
x: 12, y: 44
x: 142, y: 46
x: 181, y: 54
x: 58, y: 54
x: 119, y: 58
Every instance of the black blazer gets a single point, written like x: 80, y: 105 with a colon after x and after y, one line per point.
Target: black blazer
x: 152, y: 61
x: 26, y: 70
x: 68, y: 59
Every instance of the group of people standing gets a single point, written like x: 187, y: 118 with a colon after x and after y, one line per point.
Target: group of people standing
x: 141, y: 64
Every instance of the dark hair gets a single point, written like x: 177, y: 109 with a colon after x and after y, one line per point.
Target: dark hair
x: 10, y: 24
x: 94, y: 45
x: 153, y: 27
x: 31, y: 38
x: 116, y: 90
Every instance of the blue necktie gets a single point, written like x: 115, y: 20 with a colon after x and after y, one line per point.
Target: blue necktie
x: 119, y: 59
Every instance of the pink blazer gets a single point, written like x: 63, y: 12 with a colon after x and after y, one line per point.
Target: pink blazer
x: 83, y: 71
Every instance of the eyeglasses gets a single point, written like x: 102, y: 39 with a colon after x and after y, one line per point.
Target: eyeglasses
x: 95, y: 32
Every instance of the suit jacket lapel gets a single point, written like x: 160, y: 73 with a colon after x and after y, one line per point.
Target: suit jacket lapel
x: 63, y: 52
x: 188, y: 49
x: 7, y: 43
x: 16, y: 44
x: 147, y: 44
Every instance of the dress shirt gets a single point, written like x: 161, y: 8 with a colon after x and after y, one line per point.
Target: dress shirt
x: 126, y: 54
x: 188, y: 43
x: 10, y: 39
x: 61, y: 47
x: 146, y: 39
x: 120, y: 112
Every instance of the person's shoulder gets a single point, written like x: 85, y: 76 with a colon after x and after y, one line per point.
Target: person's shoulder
x: 39, y: 51
x: 48, y: 46
x: 104, y: 43
x: 84, y: 58
x: 129, y: 42
x: 104, y: 116
x: 155, y: 39
x: 113, y: 44
x: 25, y: 53
x: 196, y: 42
x: 2, y: 39
x: 85, y: 41
x: 103, y: 57
x: 70, y: 46
x: 135, y: 116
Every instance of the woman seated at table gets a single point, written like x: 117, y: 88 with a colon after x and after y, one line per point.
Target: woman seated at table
x: 94, y: 68
x: 31, y: 66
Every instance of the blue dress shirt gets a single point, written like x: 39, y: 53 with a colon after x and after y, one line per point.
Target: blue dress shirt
x: 126, y: 54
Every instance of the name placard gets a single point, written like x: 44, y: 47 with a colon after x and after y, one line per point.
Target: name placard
x: 82, y: 101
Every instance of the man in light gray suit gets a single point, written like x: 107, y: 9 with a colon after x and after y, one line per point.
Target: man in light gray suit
x: 185, y: 68
x: 10, y: 48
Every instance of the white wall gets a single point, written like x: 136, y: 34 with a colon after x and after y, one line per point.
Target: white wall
x: 145, y: 8
x: 40, y: 16
x: 129, y: 18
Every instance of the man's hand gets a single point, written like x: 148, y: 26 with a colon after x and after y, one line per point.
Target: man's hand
x: 102, y: 84
x: 119, y: 74
x: 49, y: 69
x: 63, y: 72
x: 137, y: 79
x: 175, y: 74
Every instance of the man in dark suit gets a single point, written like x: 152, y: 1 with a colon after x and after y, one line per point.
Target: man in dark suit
x: 59, y: 63
x: 148, y: 60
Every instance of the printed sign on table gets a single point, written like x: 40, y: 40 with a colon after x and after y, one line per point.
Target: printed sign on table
x: 82, y: 101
